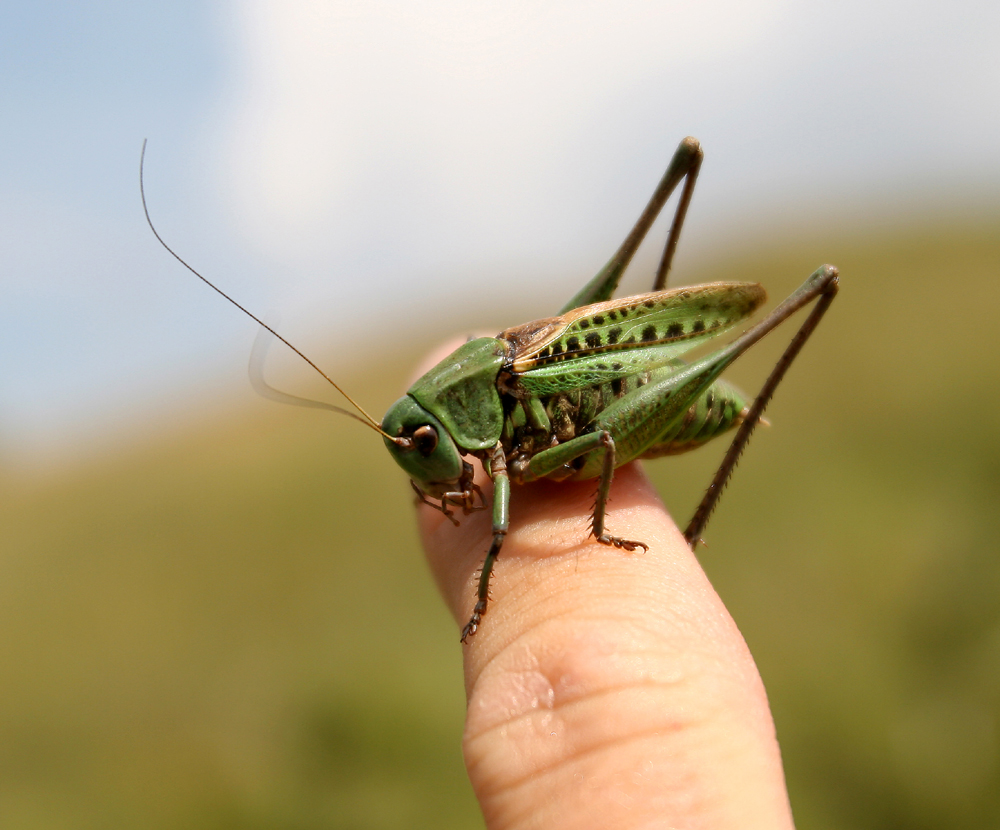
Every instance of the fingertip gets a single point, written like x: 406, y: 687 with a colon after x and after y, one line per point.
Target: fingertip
x: 550, y: 532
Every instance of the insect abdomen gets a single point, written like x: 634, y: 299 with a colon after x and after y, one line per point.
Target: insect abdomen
x: 720, y: 408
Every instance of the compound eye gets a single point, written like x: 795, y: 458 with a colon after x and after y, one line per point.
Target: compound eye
x: 426, y: 439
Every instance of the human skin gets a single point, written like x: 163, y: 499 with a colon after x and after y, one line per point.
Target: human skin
x: 605, y: 689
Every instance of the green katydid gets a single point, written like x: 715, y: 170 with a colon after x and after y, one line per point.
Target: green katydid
x: 574, y: 396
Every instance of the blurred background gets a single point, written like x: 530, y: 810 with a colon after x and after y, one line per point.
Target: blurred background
x: 194, y: 582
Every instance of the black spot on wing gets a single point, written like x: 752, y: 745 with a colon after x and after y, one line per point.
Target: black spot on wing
x: 699, y: 325
x: 593, y: 339
x: 573, y: 343
x: 675, y: 330
x: 649, y: 333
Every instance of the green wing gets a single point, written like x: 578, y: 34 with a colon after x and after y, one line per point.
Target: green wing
x: 606, y: 341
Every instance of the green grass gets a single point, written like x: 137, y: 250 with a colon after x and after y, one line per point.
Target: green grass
x: 231, y: 626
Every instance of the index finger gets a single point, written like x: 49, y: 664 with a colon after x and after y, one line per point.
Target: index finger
x: 621, y: 670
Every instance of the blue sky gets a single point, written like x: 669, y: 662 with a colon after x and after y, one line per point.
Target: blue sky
x: 325, y: 158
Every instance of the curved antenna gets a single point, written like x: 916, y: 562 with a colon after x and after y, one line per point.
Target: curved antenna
x: 258, y: 354
x: 368, y: 420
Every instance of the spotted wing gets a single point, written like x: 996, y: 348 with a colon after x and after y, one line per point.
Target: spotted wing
x: 606, y: 341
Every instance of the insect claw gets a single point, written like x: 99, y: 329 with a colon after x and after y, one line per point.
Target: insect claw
x: 470, y: 629
x: 473, y: 624
x: 618, y: 542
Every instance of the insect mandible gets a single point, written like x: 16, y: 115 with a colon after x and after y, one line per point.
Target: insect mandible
x: 574, y: 396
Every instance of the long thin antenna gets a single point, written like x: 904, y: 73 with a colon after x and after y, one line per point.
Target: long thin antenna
x: 258, y: 354
x: 369, y: 421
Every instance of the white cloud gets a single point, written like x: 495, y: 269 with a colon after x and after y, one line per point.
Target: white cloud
x: 419, y: 100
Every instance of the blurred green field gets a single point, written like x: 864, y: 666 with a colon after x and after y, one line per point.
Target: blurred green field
x: 230, y: 626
